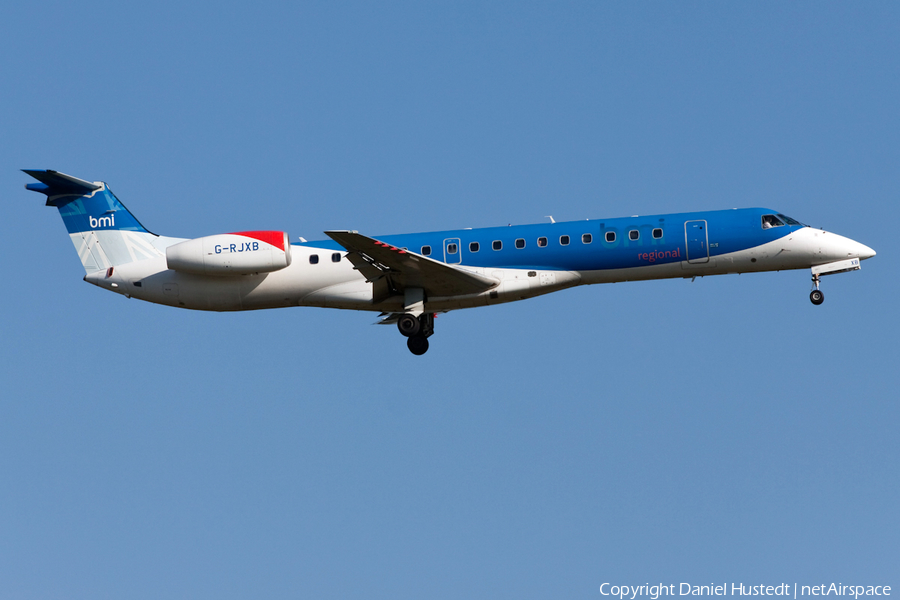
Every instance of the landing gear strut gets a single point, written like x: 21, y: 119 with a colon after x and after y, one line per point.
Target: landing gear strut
x: 816, y: 296
x: 417, y: 331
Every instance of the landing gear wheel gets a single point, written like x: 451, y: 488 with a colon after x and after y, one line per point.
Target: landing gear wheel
x: 417, y: 344
x: 816, y: 297
x: 409, y: 325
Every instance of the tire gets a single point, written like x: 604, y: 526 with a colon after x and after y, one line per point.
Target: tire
x: 417, y: 344
x: 816, y: 297
x: 408, y: 325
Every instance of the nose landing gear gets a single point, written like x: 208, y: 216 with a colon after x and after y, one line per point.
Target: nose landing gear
x: 816, y: 296
x: 417, y: 331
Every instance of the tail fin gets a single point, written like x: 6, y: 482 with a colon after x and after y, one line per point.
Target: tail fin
x: 104, y: 232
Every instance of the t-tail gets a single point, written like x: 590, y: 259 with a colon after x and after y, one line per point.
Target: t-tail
x: 104, y: 232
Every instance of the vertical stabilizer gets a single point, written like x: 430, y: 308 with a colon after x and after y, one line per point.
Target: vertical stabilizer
x: 104, y: 232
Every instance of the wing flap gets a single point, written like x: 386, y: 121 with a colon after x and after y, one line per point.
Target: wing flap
x: 404, y: 269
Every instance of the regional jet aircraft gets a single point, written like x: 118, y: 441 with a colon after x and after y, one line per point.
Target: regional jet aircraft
x: 409, y: 278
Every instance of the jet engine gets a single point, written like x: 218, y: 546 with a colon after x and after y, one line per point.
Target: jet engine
x: 239, y: 253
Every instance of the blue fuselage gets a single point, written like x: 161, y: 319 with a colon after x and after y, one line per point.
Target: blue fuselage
x: 596, y: 244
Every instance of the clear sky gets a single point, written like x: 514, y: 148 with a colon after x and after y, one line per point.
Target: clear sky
x: 722, y: 430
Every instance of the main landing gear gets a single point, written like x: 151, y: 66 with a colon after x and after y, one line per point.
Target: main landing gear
x: 417, y: 331
x: 816, y: 296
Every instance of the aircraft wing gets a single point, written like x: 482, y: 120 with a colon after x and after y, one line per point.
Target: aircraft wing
x: 403, y: 269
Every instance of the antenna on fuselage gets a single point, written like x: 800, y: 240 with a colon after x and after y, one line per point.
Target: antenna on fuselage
x: 552, y: 220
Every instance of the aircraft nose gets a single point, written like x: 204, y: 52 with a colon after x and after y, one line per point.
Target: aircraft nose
x: 853, y: 248
x: 838, y: 247
x: 865, y: 252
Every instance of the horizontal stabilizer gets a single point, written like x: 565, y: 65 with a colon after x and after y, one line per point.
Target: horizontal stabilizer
x: 405, y: 269
x: 54, y: 183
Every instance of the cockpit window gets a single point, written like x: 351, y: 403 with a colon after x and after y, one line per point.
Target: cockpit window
x: 789, y: 220
x: 769, y: 221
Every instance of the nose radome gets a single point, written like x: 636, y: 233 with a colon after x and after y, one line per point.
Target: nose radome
x: 865, y: 252
x: 852, y: 248
x: 840, y: 247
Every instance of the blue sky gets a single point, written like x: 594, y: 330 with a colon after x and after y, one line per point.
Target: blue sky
x: 722, y: 430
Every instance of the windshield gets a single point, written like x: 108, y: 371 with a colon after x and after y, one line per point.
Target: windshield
x: 769, y: 221
x: 790, y: 221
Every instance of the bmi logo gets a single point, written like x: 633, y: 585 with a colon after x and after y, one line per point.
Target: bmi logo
x: 108, y: 221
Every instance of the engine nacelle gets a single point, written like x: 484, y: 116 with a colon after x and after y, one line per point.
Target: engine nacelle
x: 239, y: 253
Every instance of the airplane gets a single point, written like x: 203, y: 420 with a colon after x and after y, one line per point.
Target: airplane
x: 410, y: 278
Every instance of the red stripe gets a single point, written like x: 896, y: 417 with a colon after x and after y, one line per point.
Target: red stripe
x: 275, y: 238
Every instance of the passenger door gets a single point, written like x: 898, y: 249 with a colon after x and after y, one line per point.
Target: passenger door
x: 696, y: 238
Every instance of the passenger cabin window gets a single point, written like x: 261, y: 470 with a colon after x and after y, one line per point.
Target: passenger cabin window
x: 610, y: 236
x: 497, y: 245
x: 520, y: 243
x: 586, y: 238
x: 657, y: 233
x: 426, y: 250
x: 769, y: 221
x: 336, y: 257
x: 634, y: 234
x: 313, y: 259
x: 542, y: 242
x: 474, y: 247
x: 452, y: 249
x: 563, y: 240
